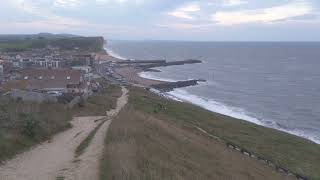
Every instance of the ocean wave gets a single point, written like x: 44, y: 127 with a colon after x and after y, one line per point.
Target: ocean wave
x: 148, y: 75
x: 214, y: 106
x: 113, y: 54
x: 235, y: 112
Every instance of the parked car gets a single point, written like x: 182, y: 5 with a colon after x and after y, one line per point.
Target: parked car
x: 54, y: 93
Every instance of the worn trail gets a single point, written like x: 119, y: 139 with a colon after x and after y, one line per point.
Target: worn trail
x: 56, y: 159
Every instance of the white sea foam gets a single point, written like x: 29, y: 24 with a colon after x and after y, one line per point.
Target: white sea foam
x: 235, y: 112
x: 148, y: 75
x: 212, y: 105
x: 113, y: 54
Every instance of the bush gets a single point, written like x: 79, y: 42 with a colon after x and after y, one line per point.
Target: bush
x: 30, y: 125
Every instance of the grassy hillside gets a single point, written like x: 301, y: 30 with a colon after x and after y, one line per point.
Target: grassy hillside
x: 99, y: 103
x: 24, y: 124
x: 155, y: 138
x: 92, y: 44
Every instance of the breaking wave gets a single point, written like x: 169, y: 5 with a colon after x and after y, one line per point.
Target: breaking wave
x: 113, y: 54
x: 236, y: 112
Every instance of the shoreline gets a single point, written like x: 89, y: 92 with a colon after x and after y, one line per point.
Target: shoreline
x: 139, y: 77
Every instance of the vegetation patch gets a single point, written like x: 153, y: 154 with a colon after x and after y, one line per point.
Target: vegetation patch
x: 86, y: 142
x: 23, y: 124
x: 99, y: 103
x: 284, y: 150
x: 155, y: 138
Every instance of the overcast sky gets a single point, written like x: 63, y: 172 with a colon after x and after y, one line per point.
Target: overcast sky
x: 216, y: 20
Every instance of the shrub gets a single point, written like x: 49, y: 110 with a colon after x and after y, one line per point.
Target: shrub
x: 30, y: 124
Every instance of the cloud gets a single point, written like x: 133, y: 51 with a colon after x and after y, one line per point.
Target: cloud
x: 186, y: 11
x: 234, y: 2
x: 66, y: 3
x: 25, y: 6
x: 119, y: 1
x: 276, y: 13
x: 45, y: 20
x: 42, y: 16
x: 108, y: 1
x: 186, y: 26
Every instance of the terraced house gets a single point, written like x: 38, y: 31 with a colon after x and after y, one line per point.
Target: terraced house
x: 48, y: 80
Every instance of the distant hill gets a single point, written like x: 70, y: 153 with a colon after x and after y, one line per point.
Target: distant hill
x: 4, y: 37
x: 22, y: 42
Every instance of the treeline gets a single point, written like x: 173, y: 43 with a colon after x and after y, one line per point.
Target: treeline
x: 92, y: 44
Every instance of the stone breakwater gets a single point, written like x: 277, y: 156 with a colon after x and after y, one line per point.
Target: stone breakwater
x: 141, y: 61
x: 172, y: 63
x: 169, y: 86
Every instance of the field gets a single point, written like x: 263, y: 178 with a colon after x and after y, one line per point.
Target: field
x: 155, y: 138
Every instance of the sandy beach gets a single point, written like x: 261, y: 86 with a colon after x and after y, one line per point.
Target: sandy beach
x: 131, y: 74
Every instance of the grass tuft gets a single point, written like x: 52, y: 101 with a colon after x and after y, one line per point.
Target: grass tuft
x: 86, y: 142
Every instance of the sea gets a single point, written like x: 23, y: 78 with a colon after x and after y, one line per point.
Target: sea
x: 273, y: 84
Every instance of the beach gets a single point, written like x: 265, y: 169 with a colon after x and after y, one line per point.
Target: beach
x: 131, y: 74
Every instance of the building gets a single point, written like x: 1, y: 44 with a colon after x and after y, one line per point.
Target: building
x: 1, y: 72
x: 82, y: 60
x: 26, y: 63
x: 85, y: 69
x: 1, y: 69
x: 43, y: 63
x: 15, y: 63
x: 5, y: 68
x: 48, y: 80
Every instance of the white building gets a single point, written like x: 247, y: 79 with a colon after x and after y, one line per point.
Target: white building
x: 1, y: 69
x: 48, y: 63
x: 85, y: 69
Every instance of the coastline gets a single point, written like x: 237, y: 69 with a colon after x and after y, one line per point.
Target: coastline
x: 143, y: 78
x: 183, y: 95
x: 288, y: 155
x: 131, y: 74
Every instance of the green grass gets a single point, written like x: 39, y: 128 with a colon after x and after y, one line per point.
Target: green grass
x: 23, y: 124
x: 86, y: 142
x: 148, y: 140
x: 132, y: 130
x: 298, y: 155
x: 60, y: 178
x: 99, y: 103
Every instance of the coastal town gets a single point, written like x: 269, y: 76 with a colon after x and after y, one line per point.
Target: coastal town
x: 49, y: 71
x: 43, y: 74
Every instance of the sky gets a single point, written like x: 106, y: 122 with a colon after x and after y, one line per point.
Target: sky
x: 194, y: 20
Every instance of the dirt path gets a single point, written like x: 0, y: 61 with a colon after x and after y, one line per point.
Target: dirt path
x: 50, y: 160
x: 86, y: 167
